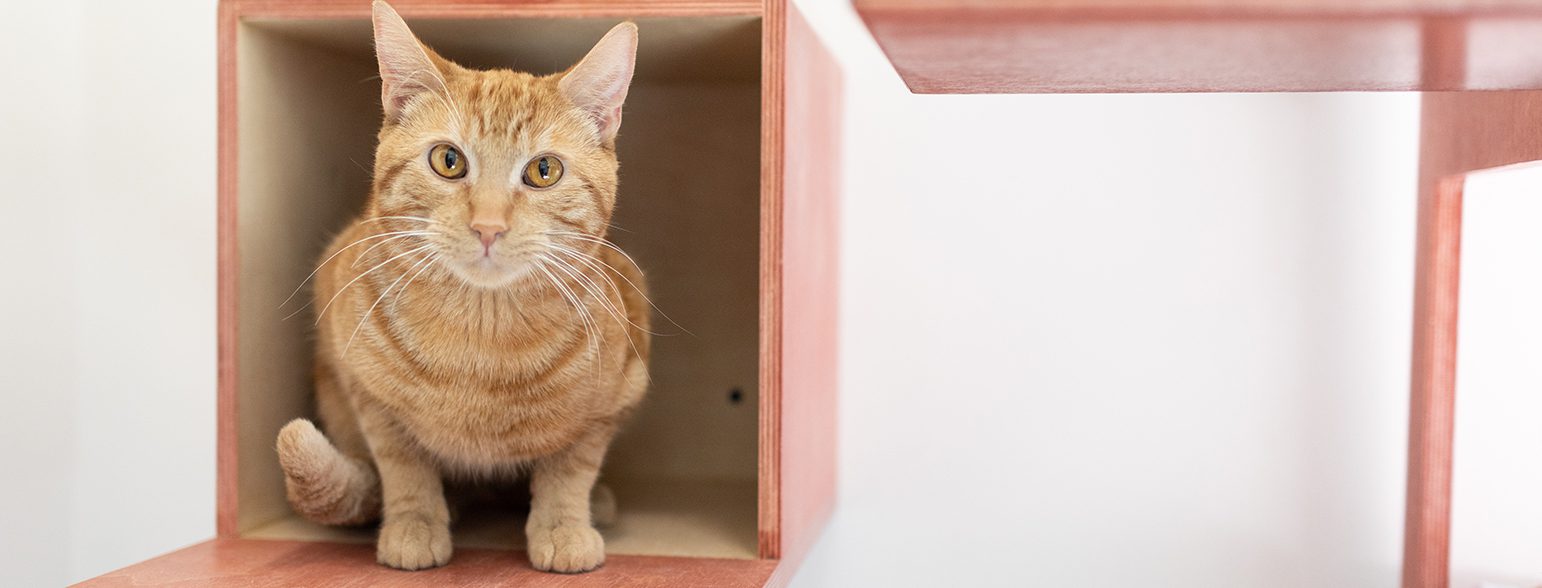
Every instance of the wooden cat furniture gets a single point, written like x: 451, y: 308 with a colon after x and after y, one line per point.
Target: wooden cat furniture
x: 1477, y: 62
x: 728, y: 200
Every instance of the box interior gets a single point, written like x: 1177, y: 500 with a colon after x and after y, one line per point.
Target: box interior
x: 684, y: 469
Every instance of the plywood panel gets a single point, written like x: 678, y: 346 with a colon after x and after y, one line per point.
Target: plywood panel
x: 497, y: 8
x: 1461, y: 132
x: 692, y: 518
x: 253, y: 563
x: 304, y: 170
x: 995, y: 46
x: 809, y: 286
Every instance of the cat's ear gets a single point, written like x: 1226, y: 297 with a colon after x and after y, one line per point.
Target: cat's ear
x: 598, y: 84
x: 407, y: 68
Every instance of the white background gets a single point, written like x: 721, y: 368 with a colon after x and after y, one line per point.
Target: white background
x: 1088, y: 340
x: 1496, y: 527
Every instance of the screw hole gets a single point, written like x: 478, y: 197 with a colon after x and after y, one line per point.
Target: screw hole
x: 736, y: 396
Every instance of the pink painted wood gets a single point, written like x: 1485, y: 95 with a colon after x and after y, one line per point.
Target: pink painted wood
x: 1462, y: 132
x: 1061, y: 46
x: 799, y: 139
x: 252, y: 563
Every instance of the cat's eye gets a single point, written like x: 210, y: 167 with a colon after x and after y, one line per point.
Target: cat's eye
x: 543, y: 171
x: 447, y: 161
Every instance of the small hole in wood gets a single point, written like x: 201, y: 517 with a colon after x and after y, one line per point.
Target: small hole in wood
x: 736, y: 396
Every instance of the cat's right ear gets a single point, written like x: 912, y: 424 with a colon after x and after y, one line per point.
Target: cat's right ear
x: 406, y: 67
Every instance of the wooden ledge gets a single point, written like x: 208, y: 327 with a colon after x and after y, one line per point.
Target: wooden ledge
x: 1059, y: 46
x: 253, y: 563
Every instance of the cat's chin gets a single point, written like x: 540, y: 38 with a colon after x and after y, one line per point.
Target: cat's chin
x: 487, y: 273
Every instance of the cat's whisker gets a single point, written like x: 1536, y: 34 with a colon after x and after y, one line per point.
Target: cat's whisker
x: 605, y: 303
x: 591, y: 329
x: 324, y: 263
x: 639, y: 290
x: 590, y: 262
x: 361, y: 276
x: 572, y: 299
x: 404, y: 235
x: 371, y: 310
x: 594, y: 290
x: 434, y: 257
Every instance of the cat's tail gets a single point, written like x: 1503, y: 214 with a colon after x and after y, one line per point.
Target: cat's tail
x: 323, y: 484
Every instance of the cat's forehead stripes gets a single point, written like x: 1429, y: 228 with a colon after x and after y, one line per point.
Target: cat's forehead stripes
x: 501, y: 103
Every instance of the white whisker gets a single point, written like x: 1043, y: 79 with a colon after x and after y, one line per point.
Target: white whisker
x: 366, y: 272
x: 328, y: 259
x: 572, y: 299
x: 404, y: 235
x: 634, y: 286
x: 581, y: 258
x: 589, y: 286
x: 382, y: 296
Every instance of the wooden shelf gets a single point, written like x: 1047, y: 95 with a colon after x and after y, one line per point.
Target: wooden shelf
x: 1060, y: 46
x: 255, y: 563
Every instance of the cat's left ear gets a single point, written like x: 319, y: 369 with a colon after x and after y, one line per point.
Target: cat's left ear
x: 598, y: 84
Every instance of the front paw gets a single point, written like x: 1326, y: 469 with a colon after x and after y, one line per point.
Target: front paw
x: 569, y: 549
x: 413, y: 542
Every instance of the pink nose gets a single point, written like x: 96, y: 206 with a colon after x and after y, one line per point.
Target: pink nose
x: 488, y: 233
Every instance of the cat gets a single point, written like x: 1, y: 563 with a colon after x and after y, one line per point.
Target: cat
x: 474, y: 321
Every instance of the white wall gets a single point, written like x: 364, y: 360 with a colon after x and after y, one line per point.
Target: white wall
x: 107, y: 333
x: 1497, y: 477
x: 1120, y: 340
x: 1089, y: 340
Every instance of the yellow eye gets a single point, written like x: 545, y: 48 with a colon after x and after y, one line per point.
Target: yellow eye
x: 543, y: 171
x: 447, y: 161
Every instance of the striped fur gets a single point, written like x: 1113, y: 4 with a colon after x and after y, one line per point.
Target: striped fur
x: 441, y: 354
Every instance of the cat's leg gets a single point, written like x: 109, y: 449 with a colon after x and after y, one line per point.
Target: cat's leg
x: 560, y: 531
x: 415, y: 521
x: 602, y: 505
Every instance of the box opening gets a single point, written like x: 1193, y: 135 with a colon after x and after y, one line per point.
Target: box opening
x: 684, y: 469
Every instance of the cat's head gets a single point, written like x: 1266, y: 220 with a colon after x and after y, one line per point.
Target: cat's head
x: 496, y: 168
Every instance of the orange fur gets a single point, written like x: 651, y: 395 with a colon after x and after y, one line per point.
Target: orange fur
x: 441, y: 354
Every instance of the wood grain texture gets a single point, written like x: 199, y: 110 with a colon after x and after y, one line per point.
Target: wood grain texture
x: 772, y: 158
x: 251, y: 563
x: 332, y: 9
x: 809, y: 294
x: 995, y: 46
x: 1427, y: 522
x: 227, y: 430
x: 1461, y: 132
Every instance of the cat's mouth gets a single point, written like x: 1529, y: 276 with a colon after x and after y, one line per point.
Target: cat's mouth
x: 494, y: 271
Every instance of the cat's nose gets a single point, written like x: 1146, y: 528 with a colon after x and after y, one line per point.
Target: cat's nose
x: 488, y: 233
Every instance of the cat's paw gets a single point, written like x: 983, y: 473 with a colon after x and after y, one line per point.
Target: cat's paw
x: 569, y: 549
x: 410, y: 542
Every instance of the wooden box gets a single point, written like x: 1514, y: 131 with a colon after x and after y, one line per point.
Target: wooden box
x: 728, y: 200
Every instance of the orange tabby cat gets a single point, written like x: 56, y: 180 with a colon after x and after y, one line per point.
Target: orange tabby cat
x: 474, y: 320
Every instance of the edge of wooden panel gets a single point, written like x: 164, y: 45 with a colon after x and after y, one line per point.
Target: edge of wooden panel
x: 495, y: 8
x: 1427, y: 522
x: 808, y: 297
x: 773, y: 57
x: 257, y: 562
x: 227, y: 432
x: 1460, y: 132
